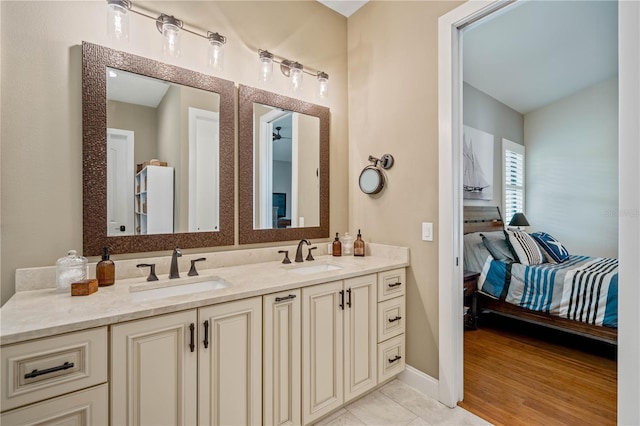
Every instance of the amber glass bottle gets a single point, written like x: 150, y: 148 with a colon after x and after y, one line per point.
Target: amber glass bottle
x: 358, y: 245
x: 336, y: 247
x: 105, y: 269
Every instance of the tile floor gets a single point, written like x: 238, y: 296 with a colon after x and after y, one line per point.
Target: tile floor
x: 397, y: 403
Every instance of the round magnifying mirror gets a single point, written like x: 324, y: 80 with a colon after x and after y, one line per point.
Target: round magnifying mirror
x: 371, y: 180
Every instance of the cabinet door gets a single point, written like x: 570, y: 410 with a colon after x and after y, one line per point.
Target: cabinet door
x: 281, y: 358
x: 360, y: 337
x: 322, y: 362
x: 154, y: 371
x: 82, y: 408
x: 230, y: 362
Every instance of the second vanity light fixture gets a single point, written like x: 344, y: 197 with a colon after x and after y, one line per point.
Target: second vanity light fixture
x: 292, y: 69
x: 170, y: 28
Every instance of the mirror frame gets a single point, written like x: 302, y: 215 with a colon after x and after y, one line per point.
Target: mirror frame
x: 247, y: 96
x: 95, y: 60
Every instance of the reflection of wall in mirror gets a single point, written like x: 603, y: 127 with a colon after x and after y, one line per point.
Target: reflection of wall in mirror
x: 258, y: 112
x: 308, y: 129
x: 141, y: 120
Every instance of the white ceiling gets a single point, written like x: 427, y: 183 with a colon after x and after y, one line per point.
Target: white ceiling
x: 538, y: 52
x: 344, y: 7
x: 135, y: 89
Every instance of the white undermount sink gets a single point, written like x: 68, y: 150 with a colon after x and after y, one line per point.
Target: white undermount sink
x: 160, y: 289
x: 314, y: 268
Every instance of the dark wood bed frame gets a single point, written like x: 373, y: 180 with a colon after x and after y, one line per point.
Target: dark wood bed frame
x: 488, y: 218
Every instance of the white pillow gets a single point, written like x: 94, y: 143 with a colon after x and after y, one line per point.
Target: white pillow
x: 524, y: 247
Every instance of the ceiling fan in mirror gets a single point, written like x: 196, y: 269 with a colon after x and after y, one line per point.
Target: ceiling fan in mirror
x: 277, y: 136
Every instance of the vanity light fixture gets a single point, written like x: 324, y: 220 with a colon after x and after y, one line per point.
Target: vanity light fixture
x: 266, y: 66
x: 169, y: 26
x: 118, y: 19
x: 292, y: 69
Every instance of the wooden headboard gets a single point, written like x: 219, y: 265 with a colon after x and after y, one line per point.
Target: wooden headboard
x: 482, y: 219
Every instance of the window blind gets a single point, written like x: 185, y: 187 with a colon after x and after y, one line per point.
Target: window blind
x: 513, y: 157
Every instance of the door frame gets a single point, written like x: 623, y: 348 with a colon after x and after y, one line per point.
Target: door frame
x: 451, y: 381
x: 129, y: 137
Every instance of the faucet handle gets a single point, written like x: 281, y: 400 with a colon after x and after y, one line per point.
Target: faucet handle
x: 152, y: 273
x: 286, y: 256
x: 309, y: 256
x: 192, y: 271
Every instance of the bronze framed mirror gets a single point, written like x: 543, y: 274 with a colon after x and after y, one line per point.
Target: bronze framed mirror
x: 158, y: 155
x: 283, y: 167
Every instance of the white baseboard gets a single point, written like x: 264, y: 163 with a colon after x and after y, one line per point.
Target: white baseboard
x: 419, y: 380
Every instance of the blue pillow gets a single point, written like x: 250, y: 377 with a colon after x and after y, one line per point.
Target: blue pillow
x: 553, y: 250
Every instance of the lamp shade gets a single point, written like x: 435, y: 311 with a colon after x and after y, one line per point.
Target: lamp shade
x: 518, y: 219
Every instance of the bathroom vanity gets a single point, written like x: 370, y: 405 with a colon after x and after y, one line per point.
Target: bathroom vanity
x: 248, y: 341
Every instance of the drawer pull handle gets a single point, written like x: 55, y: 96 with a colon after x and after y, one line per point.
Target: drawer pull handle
x: 392, y: 360
x: 394, y: 284
x: 341, y: 300
x: 36, y: 372
x: 192, y: 344
x: 206, y: 334
x: 349, y: 299
x: 282, y: 299
x: 395, y: 319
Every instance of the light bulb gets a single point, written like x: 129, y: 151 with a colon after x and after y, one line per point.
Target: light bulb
x: 266, y: 66
x: 295, y: 73
x: 216, y: 50
x: 171, y: 37
x: 118, y: 19
x: 323, y: 85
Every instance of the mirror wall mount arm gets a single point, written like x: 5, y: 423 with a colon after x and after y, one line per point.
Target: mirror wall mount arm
x: 95, y: 61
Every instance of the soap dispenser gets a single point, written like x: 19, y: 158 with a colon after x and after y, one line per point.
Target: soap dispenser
x: 336, y: 247
x: 105, y: 269
x: 358, y: 245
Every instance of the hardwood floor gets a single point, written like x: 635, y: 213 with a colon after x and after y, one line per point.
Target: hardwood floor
x: 521, y: 374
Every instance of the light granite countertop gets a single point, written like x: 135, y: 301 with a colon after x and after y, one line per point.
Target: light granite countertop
x: 44, y: 312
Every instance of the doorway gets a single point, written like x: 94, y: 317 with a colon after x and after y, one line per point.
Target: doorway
x: 450, y: 201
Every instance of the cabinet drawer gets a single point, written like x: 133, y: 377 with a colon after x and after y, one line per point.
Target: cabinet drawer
x: 86, y: 407
x: 49, y: 367
x: 391, y: 318
x: 390, y: 358
x: 391, y: 284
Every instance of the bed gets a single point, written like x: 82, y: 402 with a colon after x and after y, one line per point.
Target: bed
x: 577, y: 294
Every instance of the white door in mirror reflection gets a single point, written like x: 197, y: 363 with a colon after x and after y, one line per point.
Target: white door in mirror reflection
x: 120, y: 144
x: 286, y: 175
x: 204, y: 169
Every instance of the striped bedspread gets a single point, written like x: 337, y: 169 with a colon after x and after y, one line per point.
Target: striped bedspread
x: 581, y: 288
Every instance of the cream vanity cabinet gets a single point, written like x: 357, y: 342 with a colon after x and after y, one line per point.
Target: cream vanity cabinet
x: 391, y: 323
x: 56, y: 380
x: 339, y: 342
x: 201, y: 366
x: 281, y: 347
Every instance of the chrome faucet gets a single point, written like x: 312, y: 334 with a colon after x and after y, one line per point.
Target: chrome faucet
x: 173, y: 272
x: 299, y: 251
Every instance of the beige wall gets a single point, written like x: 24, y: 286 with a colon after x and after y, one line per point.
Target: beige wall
x: 142, y: 121
x: 41, y: 140
x: 572, y: 170
x: 393, y: 108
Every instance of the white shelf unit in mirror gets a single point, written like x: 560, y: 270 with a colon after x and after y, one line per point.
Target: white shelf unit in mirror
x: 154, y: 200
